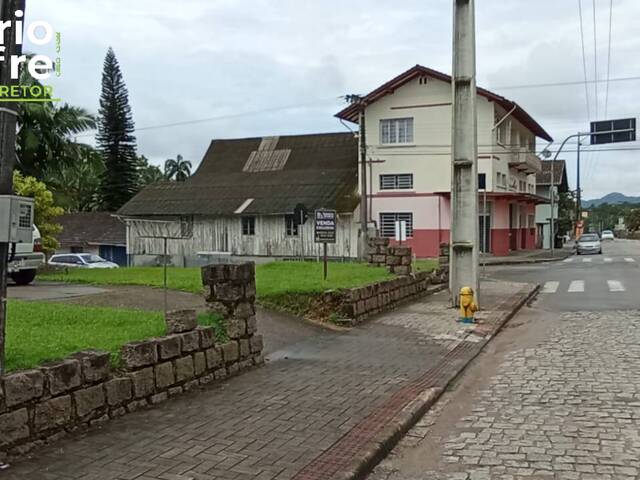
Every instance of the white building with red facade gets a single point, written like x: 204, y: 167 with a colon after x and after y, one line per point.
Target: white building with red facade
x: 408, y: 137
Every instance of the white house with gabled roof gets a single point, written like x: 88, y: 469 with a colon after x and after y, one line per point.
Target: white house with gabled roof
x: 408, y: 134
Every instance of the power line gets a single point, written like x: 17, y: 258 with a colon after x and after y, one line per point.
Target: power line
x: 567, y: 83
x: 584, y: 61
x: 323, y: 101
x: 606, y: 98
x: 595, y: 55
x: 226, y: 117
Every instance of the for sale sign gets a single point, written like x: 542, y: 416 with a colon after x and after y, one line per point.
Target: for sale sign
x: 325, y: 225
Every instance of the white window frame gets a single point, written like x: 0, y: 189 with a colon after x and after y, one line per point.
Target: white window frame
x: 396, y: 181
x: 396, y: 131
x: 388, y: 223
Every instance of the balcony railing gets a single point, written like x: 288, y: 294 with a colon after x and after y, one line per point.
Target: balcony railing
x: 525, y: 161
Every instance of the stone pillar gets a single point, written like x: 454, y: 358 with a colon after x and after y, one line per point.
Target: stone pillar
x: 231, y: 291
x: 378, y: 251
x: 399, y: 260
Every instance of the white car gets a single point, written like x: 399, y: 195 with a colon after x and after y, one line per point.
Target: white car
x: 26, y: 259
x: 607, y: 235
x: 588, y: 243
x: 80, y: 260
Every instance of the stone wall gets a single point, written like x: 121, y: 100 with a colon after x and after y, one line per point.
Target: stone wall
x: 397, y: 258
x: 44, y: 403
x: 443, y: 259
x: 354, y: 305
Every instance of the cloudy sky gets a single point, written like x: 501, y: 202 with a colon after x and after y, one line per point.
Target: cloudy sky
x: 265, y: 67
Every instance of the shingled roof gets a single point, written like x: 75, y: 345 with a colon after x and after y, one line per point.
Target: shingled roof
x: 91, y: 228
x: 351, y: 112
x: 559, y: 175
x: 261, y: 176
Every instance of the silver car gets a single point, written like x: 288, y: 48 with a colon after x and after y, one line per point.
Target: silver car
x: 589, y: 243
x: 80, y: 260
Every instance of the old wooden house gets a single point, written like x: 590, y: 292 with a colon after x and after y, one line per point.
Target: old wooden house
x: 242, y: 198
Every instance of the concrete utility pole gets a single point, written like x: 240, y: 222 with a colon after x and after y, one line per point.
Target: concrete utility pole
x: 8, y: 120
x: 464, y: 178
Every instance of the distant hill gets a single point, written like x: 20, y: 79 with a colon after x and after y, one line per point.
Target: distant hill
x: 611, y: 199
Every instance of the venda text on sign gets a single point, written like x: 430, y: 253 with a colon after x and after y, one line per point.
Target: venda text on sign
x: 325, y: 226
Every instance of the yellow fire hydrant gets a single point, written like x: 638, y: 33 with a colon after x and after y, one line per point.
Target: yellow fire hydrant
x: 468, y: 305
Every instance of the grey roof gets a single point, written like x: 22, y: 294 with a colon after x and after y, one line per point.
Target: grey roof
x: 277, y: 173
x: 559, y: 174
x: 91, y: 228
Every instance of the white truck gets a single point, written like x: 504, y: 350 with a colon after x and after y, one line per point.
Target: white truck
x: 26, y: 260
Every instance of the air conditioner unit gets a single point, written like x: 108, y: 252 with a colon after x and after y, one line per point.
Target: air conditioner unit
x: 16, y: 219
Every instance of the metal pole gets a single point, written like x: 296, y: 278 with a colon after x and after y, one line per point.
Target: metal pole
x: 485, y: 240
x: 165, y: 275
x: 364, y: 214
x: 578, y: 193
x: 301, y: 235
x: 8, y: 121
x: 324, y: 248
x: 555, y: 157
x: 464, y: 179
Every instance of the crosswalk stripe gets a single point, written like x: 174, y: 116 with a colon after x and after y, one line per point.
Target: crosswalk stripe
x: 615, y: 286
x: 627, y: 259
x: 568, y: 260
x: 608, y: 259
x: 550, y: 287
x: 586, y: 260
x: 576, y: 286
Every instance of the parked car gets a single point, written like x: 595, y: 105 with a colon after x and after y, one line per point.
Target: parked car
x: 25, y: 261
x: 80, y: 260
x: 589, y: 243
x: 607, y: 235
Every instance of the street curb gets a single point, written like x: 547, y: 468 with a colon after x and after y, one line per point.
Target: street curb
x: 389, y: 437
x: 527, y: 261
x: 379, y: 447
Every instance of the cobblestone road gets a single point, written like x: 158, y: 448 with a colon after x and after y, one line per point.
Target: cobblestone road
x: 565, y: 408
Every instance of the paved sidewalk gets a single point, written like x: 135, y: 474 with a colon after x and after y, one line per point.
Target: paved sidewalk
x: 323, y: 407
x: 530, y: 256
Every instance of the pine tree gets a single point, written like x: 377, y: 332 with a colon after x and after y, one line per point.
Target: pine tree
x: 115, y: 138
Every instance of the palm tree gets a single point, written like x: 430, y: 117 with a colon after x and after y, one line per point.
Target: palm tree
x: 148, y: 174
x: 178, y: 169
x: 45, y: 137
x: 75, y: 187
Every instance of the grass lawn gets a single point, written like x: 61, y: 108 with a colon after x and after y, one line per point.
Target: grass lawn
x: 425, y: 264
x: 39, y: 331
x: 271, y: 278
x: 282, y: 285
x: 185, y: 279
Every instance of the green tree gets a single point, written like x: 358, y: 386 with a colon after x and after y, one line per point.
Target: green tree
x: 76, y: 187
x: 566, y: 212
x: 605, y: 216
x: 148, y: 174
x: 116, y: 142
x: 632, y: 220
x: 45, y: 208
x: 177, y: 169
x: 44, y: 140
